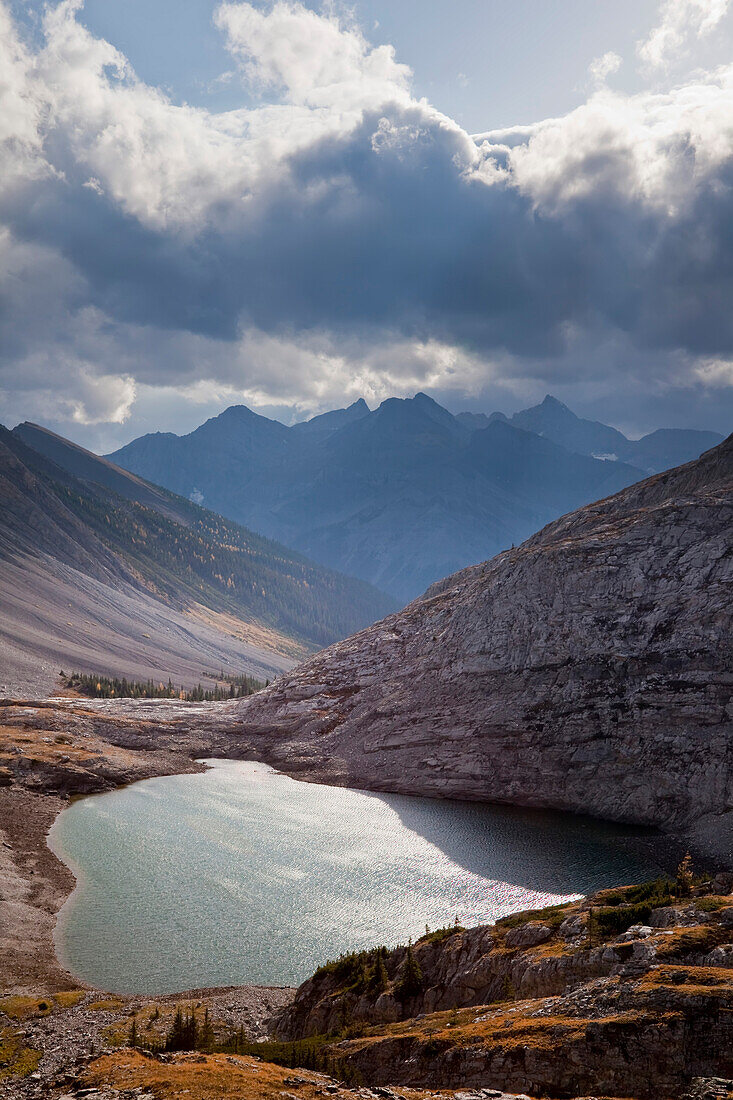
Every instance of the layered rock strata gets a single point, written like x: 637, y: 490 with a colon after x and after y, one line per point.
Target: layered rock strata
x: 557, y: 1003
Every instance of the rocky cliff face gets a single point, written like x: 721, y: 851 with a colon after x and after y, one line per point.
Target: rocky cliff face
x: 590, y: 669
x: 627, y: 993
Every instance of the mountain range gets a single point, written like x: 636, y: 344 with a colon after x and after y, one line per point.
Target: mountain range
x: 407, y: 493
x: 110, y: 574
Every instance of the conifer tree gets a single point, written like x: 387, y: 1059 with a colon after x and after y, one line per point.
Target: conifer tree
x: 685, y: 876
x: 380, y: 978
x: 206, y: 1036
x: 411, y: 980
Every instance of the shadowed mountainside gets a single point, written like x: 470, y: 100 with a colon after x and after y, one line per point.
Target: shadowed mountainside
x: 587, y: 670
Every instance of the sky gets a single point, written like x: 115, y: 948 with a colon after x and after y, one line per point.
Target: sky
x: 293, y: 205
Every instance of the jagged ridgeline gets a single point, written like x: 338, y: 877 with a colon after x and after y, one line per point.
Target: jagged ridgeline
x: 188, y: 556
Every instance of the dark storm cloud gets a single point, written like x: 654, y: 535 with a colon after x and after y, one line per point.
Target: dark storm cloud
x: 589, y: 247
x: 407, y: 244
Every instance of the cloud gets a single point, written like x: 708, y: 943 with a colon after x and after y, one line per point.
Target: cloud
x: 22, y: 107
x: 175, y: 167
x: 602, y: 67
x: 312, y: 59
x: 342, y: 237
x: 679, y: 21
x: 657, y: 151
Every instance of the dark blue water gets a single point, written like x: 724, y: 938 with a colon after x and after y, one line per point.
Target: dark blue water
x: 241, y: 875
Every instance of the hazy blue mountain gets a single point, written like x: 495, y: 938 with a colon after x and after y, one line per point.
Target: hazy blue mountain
x: 475, y: 421
x: 399, y: 496
x: 660, y: 450
x: 534, y: 469
x: 668, y: 447
x: 556, y: 422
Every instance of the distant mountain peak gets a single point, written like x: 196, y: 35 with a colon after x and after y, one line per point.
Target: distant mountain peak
x: 241, y: 412
x: 406, y: 492
x: 550, y: 402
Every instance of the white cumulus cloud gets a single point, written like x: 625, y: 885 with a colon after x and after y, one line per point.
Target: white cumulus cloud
x: 680, y: 21
x: 313, y: 59
x: 657, y: 149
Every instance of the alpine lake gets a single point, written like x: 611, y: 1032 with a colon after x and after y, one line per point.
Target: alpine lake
x: 241, y: 875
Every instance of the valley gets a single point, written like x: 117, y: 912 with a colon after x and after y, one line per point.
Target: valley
x: 582, y: 999
x: 586, y: 670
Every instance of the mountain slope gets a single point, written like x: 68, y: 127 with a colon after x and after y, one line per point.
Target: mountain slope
x: 555, y: 421
x: 587, y: 670
x: 90, y: 467
x: 534, y: 469
x: 336, y: 418
x: 151, y: 556
x: 399, y: 496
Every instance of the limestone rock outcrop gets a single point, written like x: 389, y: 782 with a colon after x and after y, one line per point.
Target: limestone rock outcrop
x: 596, y: 1005
x: 589, y: 669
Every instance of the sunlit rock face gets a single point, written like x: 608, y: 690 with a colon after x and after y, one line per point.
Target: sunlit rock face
x: 590, y: 669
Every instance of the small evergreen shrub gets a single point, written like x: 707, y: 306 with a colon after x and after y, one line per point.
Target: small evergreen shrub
x: 441, y: 934
x: 552, y: 915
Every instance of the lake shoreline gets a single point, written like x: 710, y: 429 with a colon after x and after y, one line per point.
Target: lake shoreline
x: 48, y: 772
x: 60, y: 749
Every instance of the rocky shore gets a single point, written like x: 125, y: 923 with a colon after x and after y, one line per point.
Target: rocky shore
x: 53, y: 1031
x: 50, y: 751
x: 611, y: 995
x: 540, y: 1006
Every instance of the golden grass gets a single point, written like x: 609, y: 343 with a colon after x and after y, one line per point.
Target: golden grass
x: 106, y: 1004
x: 16, y: 1060
x: 19, y: 1007
x: 500, y: 1027
x: 699, y: 939
x: 40, y: 745
x: 693, y: 981
x: 200, y: 1076
x: 69, y: 998
x: 217, y: 1077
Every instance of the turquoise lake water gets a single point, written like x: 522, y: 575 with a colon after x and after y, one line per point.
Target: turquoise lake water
x: 242, y: 875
